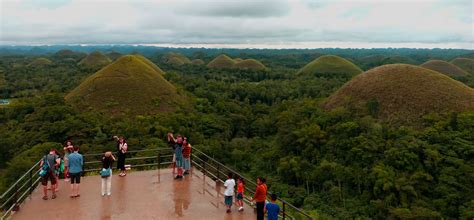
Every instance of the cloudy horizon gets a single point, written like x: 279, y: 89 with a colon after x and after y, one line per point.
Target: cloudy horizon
x: 240, y: 24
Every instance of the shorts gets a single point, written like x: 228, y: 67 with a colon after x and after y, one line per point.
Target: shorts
x: 228, y: 200
x: 49, y: 176
x: 174, y: 158
x: 240, y: 196
x: 187, y: 163
x: 179, y: 161
x: 75, y: 178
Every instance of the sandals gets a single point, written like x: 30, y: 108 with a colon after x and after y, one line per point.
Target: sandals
x: 45, y: 197
x: 54, y: 196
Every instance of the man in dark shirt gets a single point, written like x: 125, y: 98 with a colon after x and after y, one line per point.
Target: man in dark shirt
x: 52, y: 160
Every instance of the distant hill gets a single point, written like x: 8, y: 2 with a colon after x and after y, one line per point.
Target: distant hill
x: 175, y: 59
x: 464, y: 63
x: 221, y: 61
x: 250, y: 64
x: 95, y: 60
x: 401, y: 94
x: 114, y: 55
x: 238, y: 60
x: 445, y: 68
x: 330, y: 65
x: 197, y: 62
x: 371, y: 61
x: 38, y: 62
x: 129, y: 85
x: 69, y: 54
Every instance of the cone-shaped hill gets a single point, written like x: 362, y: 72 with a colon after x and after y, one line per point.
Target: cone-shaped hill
x: 221, y: 61
x: 95, y: 60
x: 464, y: 63
x: 114, y: 55
x: 330, y: 65
x: 175, y: 59
x: 401, y: 94
x: 238, y: 60
x: 39, y: 62
x: 197, y: 62
x: 444, y: 68
x: 130, y: 86
x: 149, y: 63
x: 250, y: 64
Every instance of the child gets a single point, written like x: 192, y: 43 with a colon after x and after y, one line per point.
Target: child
x: 179, y: 156
x: 272, y: 209
x: 229, y: 191
x: 186, y: 156
x: 240, y: 193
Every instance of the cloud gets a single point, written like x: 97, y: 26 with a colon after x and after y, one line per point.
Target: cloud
x: 261, y: 22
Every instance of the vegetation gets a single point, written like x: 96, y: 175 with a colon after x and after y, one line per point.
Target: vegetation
x: 113, y: 56
x: 466, y: 64
x: 330, y: 65
x: 221, y: 61
x: 249, y: 64
x: 95, y: 60
x: 39, y: 62
x: 336, y: 163
x: 176, y: 59
x: 197, y: 62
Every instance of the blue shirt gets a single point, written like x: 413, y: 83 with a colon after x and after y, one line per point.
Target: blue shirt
x: 178, y: 151
x: 272, y: 211
x: 75, y: 163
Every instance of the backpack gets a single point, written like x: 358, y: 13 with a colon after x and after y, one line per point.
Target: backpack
x: 45, y: 168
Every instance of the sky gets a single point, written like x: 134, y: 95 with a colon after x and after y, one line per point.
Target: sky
x: 240, y: 23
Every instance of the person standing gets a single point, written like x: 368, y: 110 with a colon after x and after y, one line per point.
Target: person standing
x: 240, y: 193
x: 68, y: 148
x: 107, y: 161
x: 49, y: 164
x: 76, y: 162
x: 172, y: 145
x: 186, y: 156
x: 260, y: 197
x: 179, y: 156
x: 229, y: 185
x: 122, y: 149
x: 272, y: 209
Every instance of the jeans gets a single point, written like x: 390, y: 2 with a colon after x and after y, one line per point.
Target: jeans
x: 107, y: 184
x: 187, y: 163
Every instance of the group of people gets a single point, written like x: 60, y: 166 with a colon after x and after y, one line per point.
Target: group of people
x: 71, y: 165
x: 181, y: 156
x: 260, y: 198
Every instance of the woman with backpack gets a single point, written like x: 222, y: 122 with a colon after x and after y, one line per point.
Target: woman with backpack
x: 106, y: 173
x: 122, y: 149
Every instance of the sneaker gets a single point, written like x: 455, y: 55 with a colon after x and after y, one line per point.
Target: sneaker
x: 54, y: 196
x: 108, y: 194
x: 103, y: 194
x: 186, y: 173
x: 241, y: 208
x: 228, y: 211
x: 45, y: 197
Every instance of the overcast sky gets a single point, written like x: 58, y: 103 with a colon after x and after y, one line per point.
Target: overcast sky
x: 240, y: 23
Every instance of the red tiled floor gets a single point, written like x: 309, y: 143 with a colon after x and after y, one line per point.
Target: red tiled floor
x: 140, y: 195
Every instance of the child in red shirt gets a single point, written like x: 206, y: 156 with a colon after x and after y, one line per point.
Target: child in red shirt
x: 240, y: 193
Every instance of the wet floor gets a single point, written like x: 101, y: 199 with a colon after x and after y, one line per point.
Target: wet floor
x: 139, y: 195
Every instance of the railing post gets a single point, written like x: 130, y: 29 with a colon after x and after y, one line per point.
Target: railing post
x: 16, y: 207
x: 218, y: 171
x: 159, y: 160
x: 31, y: 181
x: 284, y: 211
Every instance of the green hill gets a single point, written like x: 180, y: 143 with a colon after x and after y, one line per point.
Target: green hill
x: 464, y: 63
x: 402, y: 94
x: 175, y: 59
x: 238, y: 60
x: 114, y: 55
x: 38, y: 62
x: 130, y: 86
x: 69, y: 54
x: 221, y: 61
x: 330, y: 65
x: 149, y: 63
x: 95, y: 60
x: 250, y: 64
x: 444, y: 68
x: 197, y: 62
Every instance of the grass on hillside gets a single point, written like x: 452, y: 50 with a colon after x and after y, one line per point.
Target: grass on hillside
x: 250, y: 64
x: 40, y: 62
x: 330, y: 64
x: 444, y: 68
x: 464, y: 63
x: 402, y: 94
x: 221, y: 61
x: 95, y: 60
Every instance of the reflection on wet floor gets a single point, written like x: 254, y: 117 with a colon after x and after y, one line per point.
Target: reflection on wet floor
x: 140, y: 195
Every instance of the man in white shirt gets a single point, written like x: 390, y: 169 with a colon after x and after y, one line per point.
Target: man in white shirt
x: 229, y: 191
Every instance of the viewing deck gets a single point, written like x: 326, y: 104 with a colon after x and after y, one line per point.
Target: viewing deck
x: 140, y: 195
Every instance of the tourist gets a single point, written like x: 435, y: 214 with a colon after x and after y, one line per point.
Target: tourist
x: 272, y: 209
x: 68, y: 148
x: 59, y: 169
x: 171, y: 144
x: 106, y: 173
x: 240, y: 193
x: 75, y: 170
x: 179, y: 156
x: 48, y: 165
x: 260, y: 197
x: 122, y: 149
x: 186, y: 156
x: 229, y: 185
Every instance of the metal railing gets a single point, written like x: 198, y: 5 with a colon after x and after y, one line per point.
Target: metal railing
x: 145, y: 159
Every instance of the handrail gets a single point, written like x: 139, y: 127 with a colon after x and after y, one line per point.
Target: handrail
x: 17, y: 192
